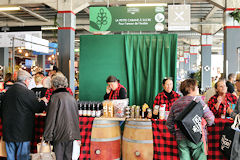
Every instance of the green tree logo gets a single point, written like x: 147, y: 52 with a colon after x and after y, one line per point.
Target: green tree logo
x: 100, y: 19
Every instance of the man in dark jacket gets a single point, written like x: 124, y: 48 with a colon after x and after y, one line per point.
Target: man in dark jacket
x: 62, y: 122
x: 18, y: 109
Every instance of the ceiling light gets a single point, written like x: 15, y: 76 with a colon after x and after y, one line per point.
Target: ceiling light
x: 52, y: 56
x: 9, y: 8
x: 20, y: 50
x: 49, y: 58
x: 26, y: 54
x: 146, y: 4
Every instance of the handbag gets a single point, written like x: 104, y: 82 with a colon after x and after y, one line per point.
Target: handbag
x: 236, y: 124
x: 3, y: 152
x: 226, y: 140
x: 189, y: 121
x: 44, y: 155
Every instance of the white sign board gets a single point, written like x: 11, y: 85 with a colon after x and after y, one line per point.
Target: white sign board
x: 36, y: 44
x: 6, y: 38
x: 179, y: 17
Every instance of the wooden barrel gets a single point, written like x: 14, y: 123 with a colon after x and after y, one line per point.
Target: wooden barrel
x: 105, y: 140
x: 137, y: 141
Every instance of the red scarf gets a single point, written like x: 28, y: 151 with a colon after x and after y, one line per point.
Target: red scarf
x: 115, y: 94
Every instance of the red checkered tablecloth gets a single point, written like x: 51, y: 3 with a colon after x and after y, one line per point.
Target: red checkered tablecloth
x: 85, y: 125
x: 214, y: 137
x: 165, y: 145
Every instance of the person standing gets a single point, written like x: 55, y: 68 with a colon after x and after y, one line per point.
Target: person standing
x: 167, y: 96
x: 39, y: 90
x: 18, y: 108
x: 230, y: 83
x: 187, y: 149
x: 62, y: 122
x: 8, y: 81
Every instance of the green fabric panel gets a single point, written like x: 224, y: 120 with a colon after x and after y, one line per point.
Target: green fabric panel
x: 100, y: 56
x: 149, y: 58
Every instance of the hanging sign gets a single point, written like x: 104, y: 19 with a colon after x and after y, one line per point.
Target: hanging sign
x: 126, y: 18
x: 179, y: 17
x: 52, y: 50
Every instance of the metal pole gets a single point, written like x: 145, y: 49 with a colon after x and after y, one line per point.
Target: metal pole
x: 13, y: 55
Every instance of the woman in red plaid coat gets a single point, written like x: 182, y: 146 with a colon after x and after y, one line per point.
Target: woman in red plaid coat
x: 114, y: 89
x: 167, y: 96
x: 221, y: 100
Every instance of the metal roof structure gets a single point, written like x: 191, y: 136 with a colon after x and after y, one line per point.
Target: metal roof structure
x: 207, y: 13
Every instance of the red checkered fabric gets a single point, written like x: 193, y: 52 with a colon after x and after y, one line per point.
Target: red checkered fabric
x: 49, y: 92
x: 38, y: 132
x: 214, y: 134
x: 165, y: 144
x: 230, y: 98
x: 85, y: 125
x: 115, y: 94
x: 161, y: 98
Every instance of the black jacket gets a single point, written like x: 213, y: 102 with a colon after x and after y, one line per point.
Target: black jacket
x: 18, y: 108
x: 62, y: 122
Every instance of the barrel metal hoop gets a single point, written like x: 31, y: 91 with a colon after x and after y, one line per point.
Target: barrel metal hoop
x: 138, y: 141
x: 137, y: 127
x: 140, y: 123
x: 105, y: 122
x: 105, y: 139
x: 103, y: 126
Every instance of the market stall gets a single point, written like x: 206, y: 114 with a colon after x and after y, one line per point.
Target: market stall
x: 163, y: 145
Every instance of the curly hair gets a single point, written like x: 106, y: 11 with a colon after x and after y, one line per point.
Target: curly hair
x: 59, y: 81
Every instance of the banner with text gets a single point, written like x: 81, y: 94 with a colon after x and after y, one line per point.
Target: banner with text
x: 127, y: 18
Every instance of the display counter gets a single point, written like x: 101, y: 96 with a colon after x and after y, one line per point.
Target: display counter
x: 162, y: 144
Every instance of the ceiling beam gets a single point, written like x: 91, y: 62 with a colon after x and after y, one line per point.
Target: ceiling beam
x: 35, y: 14
x: 82, y: 21
x: 211, y: 13
x: 86, y: 10
x: 81, y: 7
x: 12, y: 17
x: 218, y: 3
x: 124, y: 2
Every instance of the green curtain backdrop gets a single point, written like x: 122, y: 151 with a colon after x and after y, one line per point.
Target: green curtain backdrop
x: 149, y: 59
x: 139, y: 61
x: 100, y: 56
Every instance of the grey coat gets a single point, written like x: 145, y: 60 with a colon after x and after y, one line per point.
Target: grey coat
x: 62, y: 122
x: 236, y: 109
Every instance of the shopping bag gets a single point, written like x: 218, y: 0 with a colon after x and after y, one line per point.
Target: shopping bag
x: 236, y: 124
x: 76, y: 149
x: 44, y: 155
x: 3, y: 152
x: 226, y: 140
x: 189, y: 121
x: 45, y: 147
x: 235, y: 150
